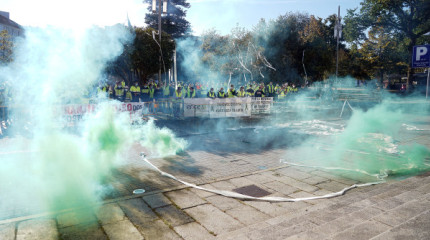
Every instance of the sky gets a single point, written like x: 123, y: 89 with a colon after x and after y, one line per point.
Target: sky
x: 222, y: 15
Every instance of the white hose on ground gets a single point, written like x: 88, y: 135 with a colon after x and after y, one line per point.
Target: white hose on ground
x: 246, y: 197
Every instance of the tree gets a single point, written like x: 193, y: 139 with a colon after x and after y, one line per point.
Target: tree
x: 140, y: 58
x: 6, y: 46
x: 408, y: 19
x: 382, y: 52
x: 174, y: 22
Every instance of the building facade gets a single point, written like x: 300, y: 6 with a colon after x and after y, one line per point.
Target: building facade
x: 13, y: 28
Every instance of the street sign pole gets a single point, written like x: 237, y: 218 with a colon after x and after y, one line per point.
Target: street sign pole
x: 421, y: 59
x: 428, y: 80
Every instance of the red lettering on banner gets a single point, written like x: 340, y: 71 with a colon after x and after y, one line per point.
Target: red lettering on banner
x: 129, y: 107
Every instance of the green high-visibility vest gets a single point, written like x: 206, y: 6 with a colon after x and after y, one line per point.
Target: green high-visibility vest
x: 151, y: 92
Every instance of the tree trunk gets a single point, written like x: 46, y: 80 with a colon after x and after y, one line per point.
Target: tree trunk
x: 411, y: 70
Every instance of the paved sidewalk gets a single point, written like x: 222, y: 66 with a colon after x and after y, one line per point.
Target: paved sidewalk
x: 169, y: 210
x: 390, y: 210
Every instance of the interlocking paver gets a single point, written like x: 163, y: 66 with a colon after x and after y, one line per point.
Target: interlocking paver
x: 185, y: 198
x: 85, y: 231
x: 7, y: 231
x: 247, y: 215
x: 193, y: 231
x: 122, y: 230
x: 75, y: 218
x: 137, y: 211
x: 204, y: 214
x: 38, y: 229
x: 281, y: 187
x: 156, y: 200
x: 224, y: 203
x: 365, y: 230
x: 415, y: 228
x: 403, y: 213
x: 157, y: 230
x: 110, y: 213
x: 173, y: 215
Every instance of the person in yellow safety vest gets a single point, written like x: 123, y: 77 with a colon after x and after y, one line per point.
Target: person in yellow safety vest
x: 259, y: 93
x: 151, y: 92
x: 102, y: 90
x: 128, y: 97
x: 294, y: 88
x: 211, y: 94
x: 241, y: 92
x: 270, y: 90
x: 278, y: 88
x: 221, y: 93
x: 231, y: 92
x: 289, y: 89
x: 250, y: 91
x: 282, y: 94
x: 191, y: 93
x: 119, y: 92
x: 184, y: 90
x: 145, y: 93
x: 135, y: 92
x: 178, y: 94
x: 166, y: 91
x: 111, y: 92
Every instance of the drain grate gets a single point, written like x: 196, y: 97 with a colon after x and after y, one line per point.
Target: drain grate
x: 252, y: 191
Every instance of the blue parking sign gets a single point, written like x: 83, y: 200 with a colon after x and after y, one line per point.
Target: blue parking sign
x: 421, y: 56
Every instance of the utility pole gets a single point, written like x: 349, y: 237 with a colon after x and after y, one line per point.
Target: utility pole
x: 337, y: 34
x: 159, y: 39
x: 162, y: 8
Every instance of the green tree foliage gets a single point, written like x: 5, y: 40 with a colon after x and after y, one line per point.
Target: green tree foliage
x: 6, y: 46
x: 174, y: 22
x: 141, y: 58
x: 408, y: 20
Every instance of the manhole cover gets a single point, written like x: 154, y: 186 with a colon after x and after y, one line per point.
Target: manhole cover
x: 252, y: 191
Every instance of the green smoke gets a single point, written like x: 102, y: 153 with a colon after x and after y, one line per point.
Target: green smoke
x: 161, y: 141
x: 369, y: 144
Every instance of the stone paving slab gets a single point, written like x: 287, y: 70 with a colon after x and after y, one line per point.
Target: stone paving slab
x: 82, y: 232
x: 174, y: 216
x: 185, y: 198
x: 157, y: 200
x: 415, y: 228
x: 122, y: 230
x: 205, y: 215
x: 365, y: 230
x: 38, y: 229
x: 247, y: 215
x: 193, y: 231
x: 75, y: 218
x: 7, y: 231
x: 110, y: 213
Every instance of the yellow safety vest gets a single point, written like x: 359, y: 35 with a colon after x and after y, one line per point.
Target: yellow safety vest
x: 135, y: 89
x: 192, y: 96
x: 145, y: 90
x: 211, y: 94
x: 230, y: 93
x: 151, y: 92
x: 166, y: 91
x: 128, y: 96
x: 241, y: 94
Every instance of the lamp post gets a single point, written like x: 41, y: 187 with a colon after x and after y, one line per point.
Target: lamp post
x: 337, y: 34
x: 162, y: 8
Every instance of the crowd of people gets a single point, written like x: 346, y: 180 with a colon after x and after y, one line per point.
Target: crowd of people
x: 154, y: 91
